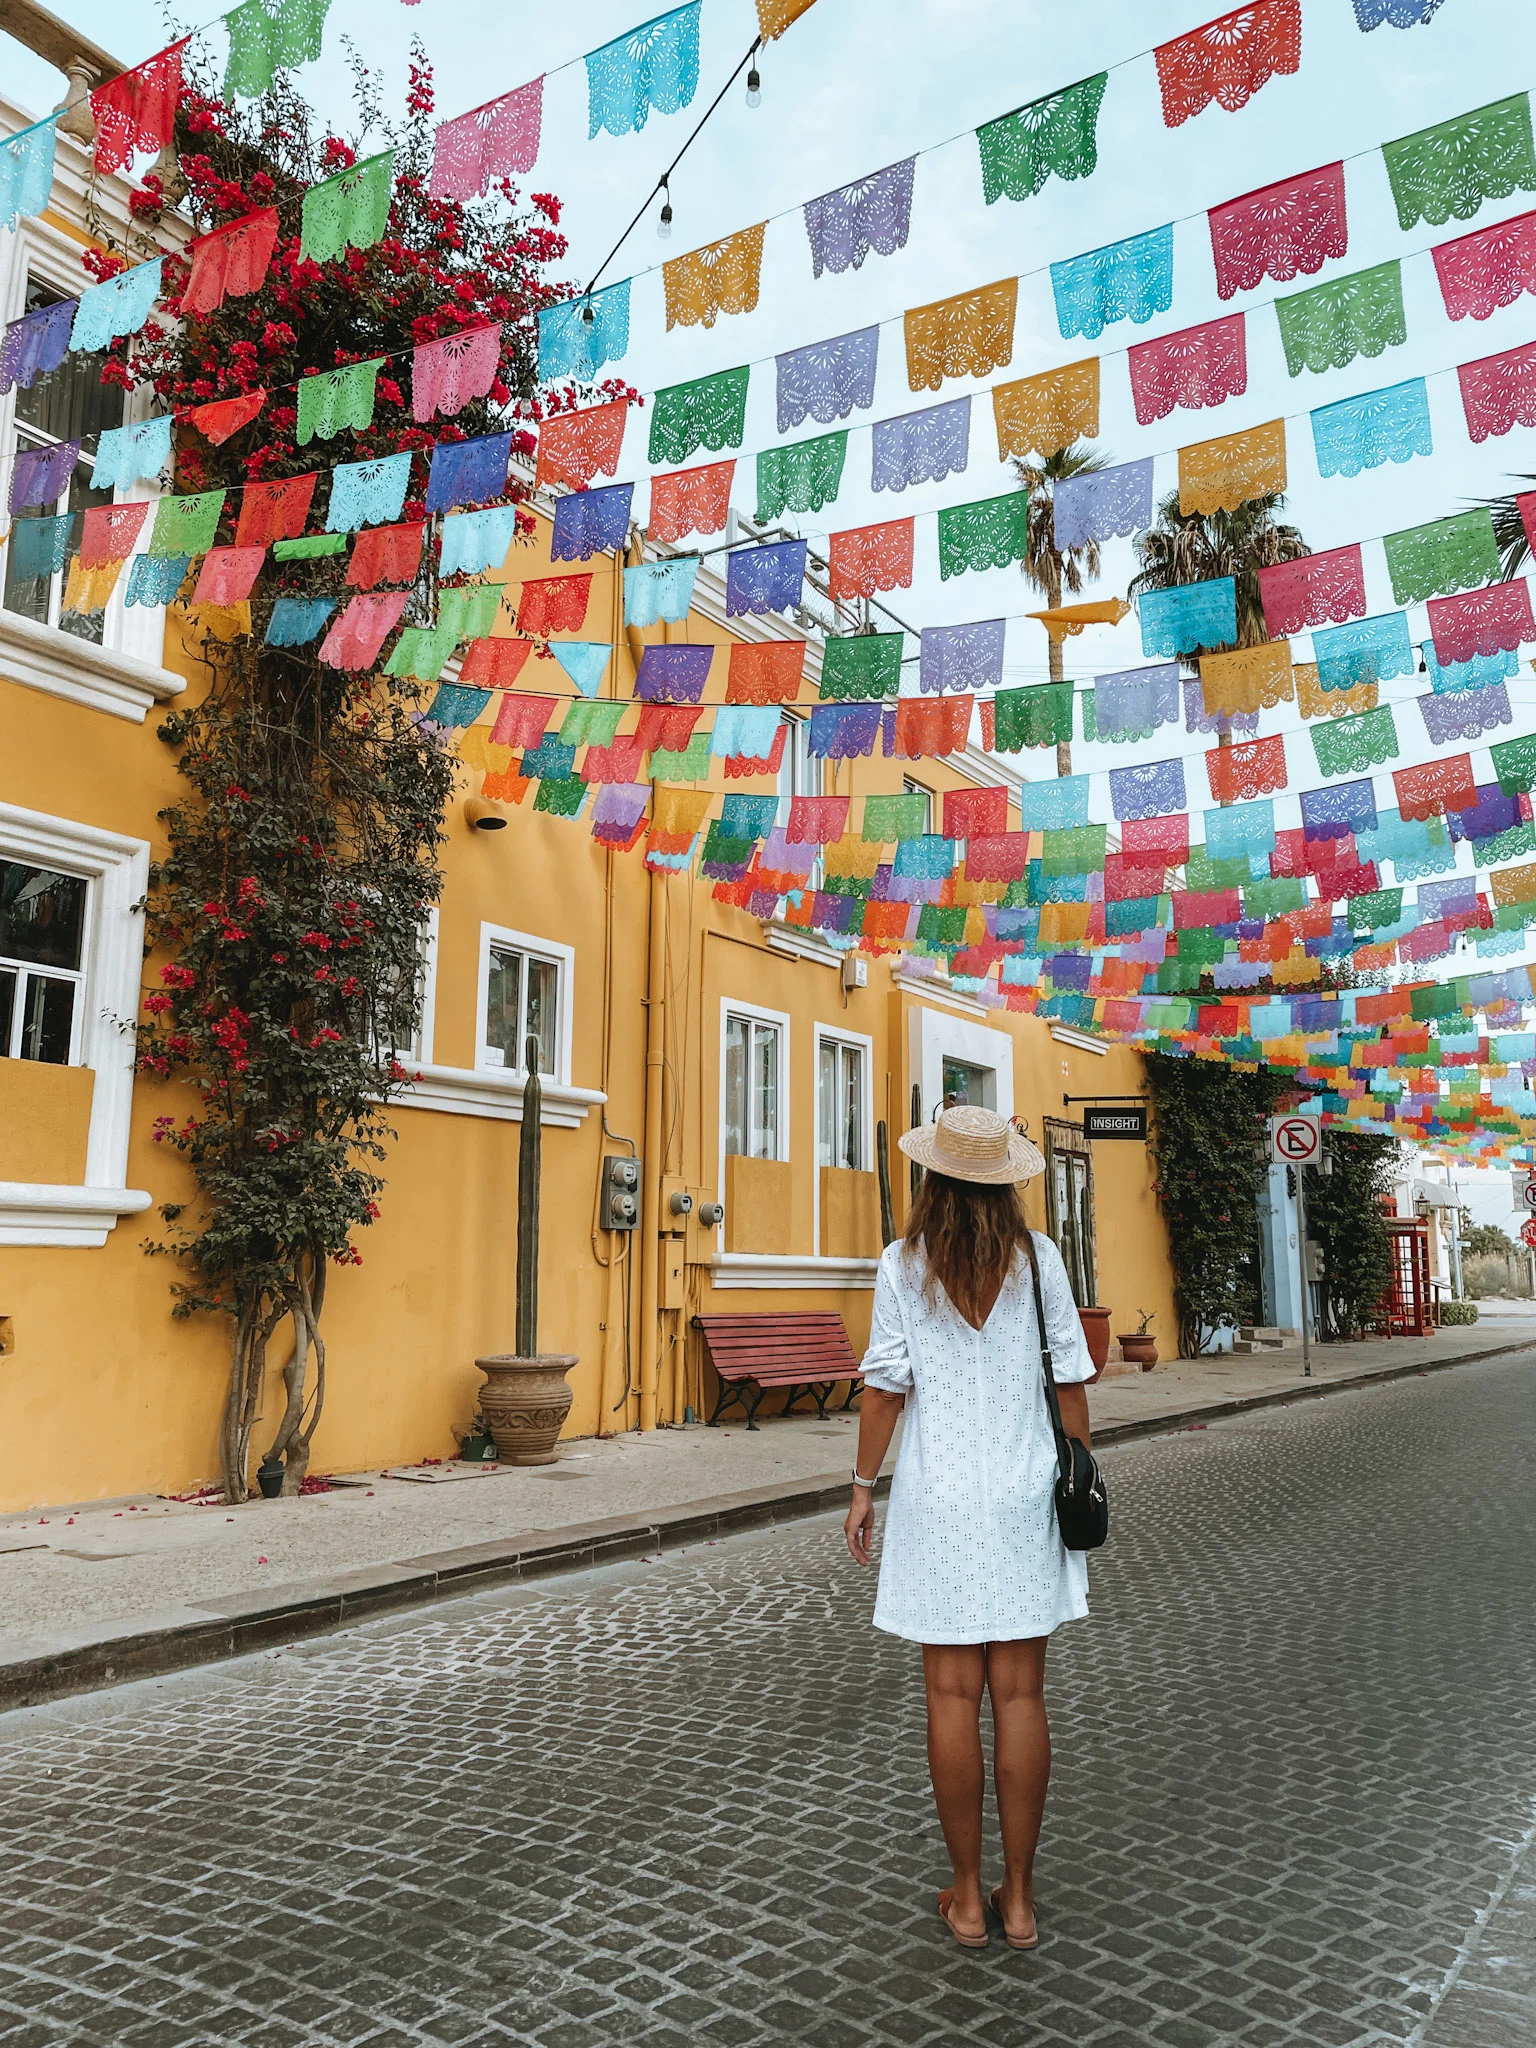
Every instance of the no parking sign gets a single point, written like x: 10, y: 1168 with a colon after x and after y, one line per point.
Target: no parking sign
x: 1295, y: 1140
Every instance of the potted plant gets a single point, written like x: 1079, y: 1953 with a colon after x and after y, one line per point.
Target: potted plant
x: 525, y: 1399
x: 1095, y: 1322
x: 477, y: 1446
x: 1138, y: 1348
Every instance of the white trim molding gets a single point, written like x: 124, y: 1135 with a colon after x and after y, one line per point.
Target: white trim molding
x: 936, y: 1036
x: 935, y: 988
x: 46, y: 658
x: 784, y: 1270
x: 497, y: 1094
x: 112, y: 956
x: 34, y: 1212
x: 1080, y: 1039
x: 796, y: 944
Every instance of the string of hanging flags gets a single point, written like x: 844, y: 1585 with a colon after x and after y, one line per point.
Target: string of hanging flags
x: 651, y: 68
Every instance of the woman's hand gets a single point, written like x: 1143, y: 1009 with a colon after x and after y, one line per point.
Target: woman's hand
x: 859, y: 1526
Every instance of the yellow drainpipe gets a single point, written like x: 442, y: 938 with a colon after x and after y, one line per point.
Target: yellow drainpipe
x: 650, y: 1214
x: 655, y: 1068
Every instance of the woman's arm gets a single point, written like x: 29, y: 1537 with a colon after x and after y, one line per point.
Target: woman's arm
x: 1073, y: 1402
x: 877, y: 1425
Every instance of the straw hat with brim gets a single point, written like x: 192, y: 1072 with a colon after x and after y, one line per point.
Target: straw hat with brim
x: 968, y: 1143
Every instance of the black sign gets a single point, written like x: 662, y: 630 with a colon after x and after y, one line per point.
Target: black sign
x: 1107, y: 1122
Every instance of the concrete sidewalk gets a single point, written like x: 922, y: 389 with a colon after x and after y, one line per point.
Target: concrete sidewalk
x: 94, y: 1594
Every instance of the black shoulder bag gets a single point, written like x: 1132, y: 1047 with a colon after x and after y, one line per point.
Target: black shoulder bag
x: 1082, y: 1505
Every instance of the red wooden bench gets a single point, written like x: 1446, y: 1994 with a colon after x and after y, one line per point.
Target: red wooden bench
x: 806, y: 1354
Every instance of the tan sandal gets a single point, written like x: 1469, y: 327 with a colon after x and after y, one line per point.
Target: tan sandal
x: 995, y: 1901
x: 982, y: 1940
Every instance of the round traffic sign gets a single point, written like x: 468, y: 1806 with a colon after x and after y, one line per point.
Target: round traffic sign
x: 1529, y: 1192
x: 1298, y: 1139
x: 1528, y: 1230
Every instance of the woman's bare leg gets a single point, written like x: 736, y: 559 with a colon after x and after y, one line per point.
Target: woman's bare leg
x: 955, y: 1675
x: 1021, y: 1769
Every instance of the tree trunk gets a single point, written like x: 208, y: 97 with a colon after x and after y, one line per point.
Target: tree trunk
x: 1055, y: 661
x: 1056, y: 669
x: 303, y: 1298
x: 247, y: 1375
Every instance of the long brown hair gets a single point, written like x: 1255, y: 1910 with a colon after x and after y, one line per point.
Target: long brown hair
x: 968, y: 1232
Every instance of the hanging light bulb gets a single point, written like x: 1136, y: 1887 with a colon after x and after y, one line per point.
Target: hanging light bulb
x: 587, y: 314
x: 754, y: 87
x: 664, y: 218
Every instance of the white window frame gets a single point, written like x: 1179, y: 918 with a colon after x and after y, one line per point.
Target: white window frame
x: 26, y: 970
x: 910, y: 786
x: 116, y: 870
x: 828, y: 1034
x: 563, y: 959
x: 861, y: 1043
x: 936, y: 1034
x: 125, y: 675
x: 420, y: 1047
x: 756, y: 1014
x: 730, y: 1006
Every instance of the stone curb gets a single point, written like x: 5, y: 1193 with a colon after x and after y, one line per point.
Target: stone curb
x: 36, y: 1670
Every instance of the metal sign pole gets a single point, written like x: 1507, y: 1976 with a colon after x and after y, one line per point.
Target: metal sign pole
x: 1306, y: 1283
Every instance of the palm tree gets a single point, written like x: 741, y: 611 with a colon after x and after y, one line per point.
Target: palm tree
x: 1051, y: 570
x: 1189, y: 547
x: 1509, y: 529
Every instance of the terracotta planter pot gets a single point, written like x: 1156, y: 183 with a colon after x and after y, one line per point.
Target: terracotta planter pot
x: 1095, y: 1322
x: 1140, y: 1351
x: 525, y: 1401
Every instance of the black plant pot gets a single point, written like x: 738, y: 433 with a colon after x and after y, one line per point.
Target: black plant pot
x: 269, y: 1477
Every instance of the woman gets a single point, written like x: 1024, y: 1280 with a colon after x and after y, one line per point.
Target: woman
x: 973, y: 1566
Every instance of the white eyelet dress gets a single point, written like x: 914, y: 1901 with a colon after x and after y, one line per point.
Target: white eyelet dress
x: 972, y: 1553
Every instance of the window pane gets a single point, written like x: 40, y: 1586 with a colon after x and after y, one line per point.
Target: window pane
x: 852, y: 1107
x: 42, y: 915
x: 71, y: 403
x: 542, y: 1004
x: 47, y: 1012
x: 735, y: 1105
x: 765, y: 1092
x: 504, y: 1010
x: 826, y: 1105
x: 7, y: 1010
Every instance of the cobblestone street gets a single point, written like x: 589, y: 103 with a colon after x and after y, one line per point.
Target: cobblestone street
x: 685, y: 1802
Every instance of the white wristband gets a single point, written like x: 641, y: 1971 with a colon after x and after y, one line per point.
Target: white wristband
x: 868, y: 1483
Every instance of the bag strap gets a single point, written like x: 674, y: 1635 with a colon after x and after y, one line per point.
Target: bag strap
x: 1063, y: 1446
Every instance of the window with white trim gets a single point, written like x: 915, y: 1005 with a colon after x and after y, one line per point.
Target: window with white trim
x: 752, y: 1105
x: 69, y: 404
x: 841, y: 1139
x: 523, y: 997
x: 42, y: 951
x: 799, y: 772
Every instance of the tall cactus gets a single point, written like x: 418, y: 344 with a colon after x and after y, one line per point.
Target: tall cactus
x: 528, y: 1163
x: 883, y: 1170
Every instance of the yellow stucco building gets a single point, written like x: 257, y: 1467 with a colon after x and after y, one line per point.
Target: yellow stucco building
x: 739, y: 1058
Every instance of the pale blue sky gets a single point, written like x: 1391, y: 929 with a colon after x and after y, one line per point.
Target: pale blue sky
x: 857, y: 84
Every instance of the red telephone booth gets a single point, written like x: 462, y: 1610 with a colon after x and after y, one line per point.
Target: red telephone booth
x: 1407, y: 1307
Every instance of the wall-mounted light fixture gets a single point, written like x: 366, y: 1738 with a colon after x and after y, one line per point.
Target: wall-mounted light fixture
x: 482, y: 815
